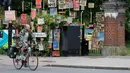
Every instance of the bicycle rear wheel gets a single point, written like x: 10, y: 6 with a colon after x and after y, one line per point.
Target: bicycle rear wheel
x: 18, y: 63
x: 33, y: 61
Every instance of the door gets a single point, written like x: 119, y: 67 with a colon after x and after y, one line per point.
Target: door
x: 73, y: 37
x: 71, y: 40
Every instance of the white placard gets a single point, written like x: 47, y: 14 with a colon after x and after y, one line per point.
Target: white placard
x: 69, y: 4
x: 61, y: 1
x: 83, y: 2
x: 62, y: 4
x: 90, y: 5
x: 82, y: 7
x: 52, y: 3
x: 40, y: 20
x: 39, y: 34
x: 5, y: 22
x: 10, y: 15
x: 41, y: 47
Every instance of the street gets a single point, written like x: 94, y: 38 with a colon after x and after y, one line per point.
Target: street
x: 11, y: 69
x: 69, y: 36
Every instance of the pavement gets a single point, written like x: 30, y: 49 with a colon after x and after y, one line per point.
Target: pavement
x: 93, y: 62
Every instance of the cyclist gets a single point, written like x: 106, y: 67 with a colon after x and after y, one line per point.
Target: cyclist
x: 26, y: 37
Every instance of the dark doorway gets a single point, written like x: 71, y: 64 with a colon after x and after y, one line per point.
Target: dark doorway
x: 85, y: 48
x: 70, y: 43
x: 84, y: 44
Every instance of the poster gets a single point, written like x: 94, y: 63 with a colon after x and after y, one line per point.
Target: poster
x: 50, y: 39
x: 32, y: 26
x: 38, y: 4
x: 44, y: 12
x: 41, y: 46
x: 55, y: 44
x: 83, y: 2
x: 76, y: 5
x: 52, y: 3
x: 69, y: 20
x: 88, y: 33
x: 5, y: 21
x: 69, y: 4
x: 61, y: 4
x: 40, y: 21
x: 33, y: 13
x: 59, y: 19
x: 73, y: 14
x: 10, y: 15
x: 23, y: 19
x: 55, y: 53
x: 53, y: 11
x: 56, y: 39
x: 90, y: 5
x: 101, y: 36
x: 39, y: 28
x: 82, y: 7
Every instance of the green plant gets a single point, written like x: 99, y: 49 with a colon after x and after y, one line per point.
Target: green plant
x: 95, y: 53
x: 1, y: 12
x: 2, y: 50
x: 128, y: 47
x: 123, y: 53
x: 46, y: 49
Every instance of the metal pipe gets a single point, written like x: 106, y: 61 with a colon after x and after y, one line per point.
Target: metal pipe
x: 81, y: 17
x: 9, y: 31
x: 23, y: 6
x: 91, y: 16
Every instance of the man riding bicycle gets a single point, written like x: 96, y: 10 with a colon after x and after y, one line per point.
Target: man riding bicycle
x: 25, y: 38
x: 25, y: 35
x: 23, y: 53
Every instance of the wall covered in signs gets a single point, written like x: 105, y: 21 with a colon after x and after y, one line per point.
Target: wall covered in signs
x: 95, y: 38
x: 4, y: 38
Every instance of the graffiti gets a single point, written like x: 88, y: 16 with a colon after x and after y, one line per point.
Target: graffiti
x: 4, y: 39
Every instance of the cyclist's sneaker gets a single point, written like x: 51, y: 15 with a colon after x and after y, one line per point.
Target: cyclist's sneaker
x: 25, y: 64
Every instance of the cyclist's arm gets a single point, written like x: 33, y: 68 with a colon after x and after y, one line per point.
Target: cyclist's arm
x: 22, y: 32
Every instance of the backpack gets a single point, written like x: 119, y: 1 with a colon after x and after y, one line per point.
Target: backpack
x: 12, y: 52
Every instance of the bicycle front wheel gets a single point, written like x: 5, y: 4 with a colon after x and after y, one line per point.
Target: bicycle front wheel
x: 33, y: 61
x: 18, y: 63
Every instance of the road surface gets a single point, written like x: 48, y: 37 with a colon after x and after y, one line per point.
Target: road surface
x: 11, y: 69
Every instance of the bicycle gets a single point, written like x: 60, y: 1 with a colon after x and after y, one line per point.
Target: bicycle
x: 23, y: 58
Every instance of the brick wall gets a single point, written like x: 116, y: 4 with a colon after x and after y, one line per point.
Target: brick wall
x: 110, y: 31
x: 121, y: 30
x: 114, y: 32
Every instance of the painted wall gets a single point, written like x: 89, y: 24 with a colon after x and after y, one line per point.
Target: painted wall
x: 4, y: 39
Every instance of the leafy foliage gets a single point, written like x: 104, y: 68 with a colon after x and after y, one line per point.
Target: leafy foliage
x: 1, y: 13
x: 17, y: 5
x: 2, y: 50
x: 128, y: 20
